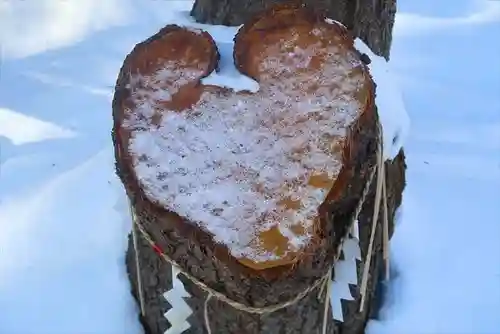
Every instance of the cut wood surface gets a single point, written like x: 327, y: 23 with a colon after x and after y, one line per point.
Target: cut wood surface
x: 256, y: 172
x: 249, y: 192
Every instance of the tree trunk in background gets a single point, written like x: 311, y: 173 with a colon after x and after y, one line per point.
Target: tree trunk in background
x: 372, y: 20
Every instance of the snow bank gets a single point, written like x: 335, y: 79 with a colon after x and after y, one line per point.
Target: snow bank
x: 62, y: 257
x: 21, y: 129
x: 390, y: 105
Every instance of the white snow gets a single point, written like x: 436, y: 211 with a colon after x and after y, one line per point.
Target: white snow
x: 482, y: 12
x: 389, y: 100
x: 21, y: 129
x: 227, y: 74
x: 61, y: 23
x: 62, y: 253
x: 63, y: 237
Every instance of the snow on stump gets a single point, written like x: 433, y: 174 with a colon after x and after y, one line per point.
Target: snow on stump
x: 250, y: 194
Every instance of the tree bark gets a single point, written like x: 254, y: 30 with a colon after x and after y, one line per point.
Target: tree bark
x: 372, y: 21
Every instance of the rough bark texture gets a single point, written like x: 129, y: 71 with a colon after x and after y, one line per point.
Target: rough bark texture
x: 373, y: 22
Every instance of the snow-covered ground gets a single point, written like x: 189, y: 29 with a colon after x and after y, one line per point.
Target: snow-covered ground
x: 63, y: 216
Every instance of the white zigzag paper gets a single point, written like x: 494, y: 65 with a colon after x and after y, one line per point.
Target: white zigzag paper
x: 351, y: 249
x: 180, y: 311
x: 345, y: 273
x: 355, y: 230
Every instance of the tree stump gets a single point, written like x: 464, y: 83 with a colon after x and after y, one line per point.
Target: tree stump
x: 165, y: 123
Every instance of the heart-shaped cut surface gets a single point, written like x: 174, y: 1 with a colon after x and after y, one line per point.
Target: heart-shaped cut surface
x: 251, y: 169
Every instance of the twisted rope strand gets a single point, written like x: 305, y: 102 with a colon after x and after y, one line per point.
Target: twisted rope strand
x: 386, y: 245
x: 138, y: 268
x: 378, y: 195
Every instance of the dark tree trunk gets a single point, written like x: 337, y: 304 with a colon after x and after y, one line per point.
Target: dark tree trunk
x: 372, y: 21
